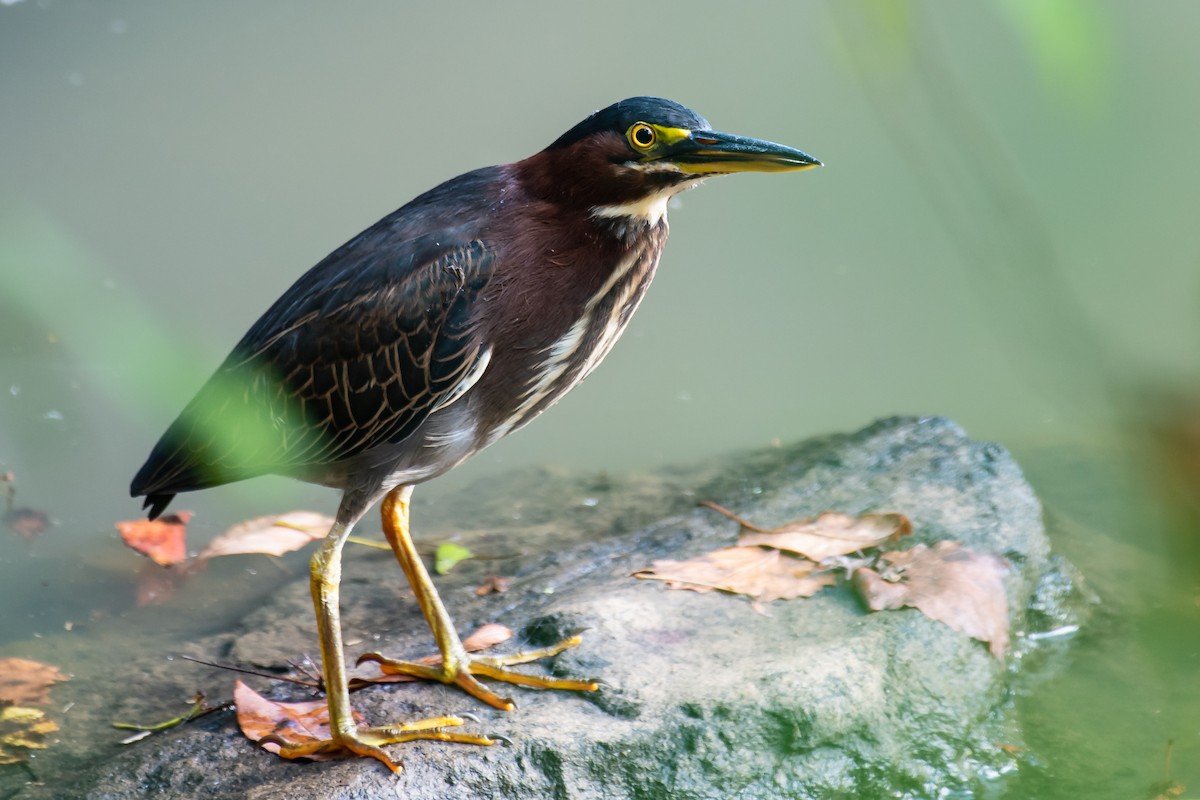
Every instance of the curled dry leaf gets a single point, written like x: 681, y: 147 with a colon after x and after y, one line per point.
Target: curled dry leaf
x: 494, y: 584
x: 24, y: 682
x: 22, y: 729
x: 163, y: 540
x: 946, y: 582
x: 293, y: 722
x: 830, y: 534
x: 489, y: 635
x: 274, y: 534
x: 756, y: 572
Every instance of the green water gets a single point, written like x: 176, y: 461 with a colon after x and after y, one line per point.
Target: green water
x: 1005, y: 233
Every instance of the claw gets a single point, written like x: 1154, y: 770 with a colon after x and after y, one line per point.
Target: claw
x: 456, y: 665
x: 369, y: 742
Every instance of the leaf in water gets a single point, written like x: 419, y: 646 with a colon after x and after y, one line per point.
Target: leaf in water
x: 761, y: 573
x: 22, y: 729
x: 830, y: 534
x: 28, y: 523
x: 447, y: 555
x: 294, y: 722
x: 273, y: 535
x: 947, y: 582
x: 163, y: 540
x: 1166, y: 790
x: 27, y: 683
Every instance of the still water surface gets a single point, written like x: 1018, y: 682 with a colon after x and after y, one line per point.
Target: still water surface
x: 1005, y: 233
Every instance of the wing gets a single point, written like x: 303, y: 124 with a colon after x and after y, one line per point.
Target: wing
x: 355, y: 355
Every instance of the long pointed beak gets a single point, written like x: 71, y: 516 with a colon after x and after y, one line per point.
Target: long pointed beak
x: 708, y: 152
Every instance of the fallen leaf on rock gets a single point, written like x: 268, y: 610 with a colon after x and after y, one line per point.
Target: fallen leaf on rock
x: 22, y: 729
x: 273, y: 535
x: 493, y: 585
x: 24, y: 682
x: 447, y: 555
x: 829, y: 534
x: 757, y: 572
x: 485, y: 636
x: 489, y: 635
x: 946, y: 582
x: 294, y: 722
x: 163, y: 540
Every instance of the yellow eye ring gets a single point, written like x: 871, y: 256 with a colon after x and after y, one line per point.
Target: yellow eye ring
x: 642, y: 136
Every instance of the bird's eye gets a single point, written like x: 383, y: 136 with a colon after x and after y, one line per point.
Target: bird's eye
x: 642, y: 136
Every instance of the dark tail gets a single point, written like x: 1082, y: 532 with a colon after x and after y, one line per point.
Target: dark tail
x: 157, y: 503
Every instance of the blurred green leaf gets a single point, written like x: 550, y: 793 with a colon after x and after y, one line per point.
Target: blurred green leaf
x: 447, y: 555
x: 1070, y: 44
x: 60, y: 295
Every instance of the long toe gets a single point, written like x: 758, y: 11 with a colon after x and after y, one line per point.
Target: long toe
x: 468, y: 666
x: 369, y: 742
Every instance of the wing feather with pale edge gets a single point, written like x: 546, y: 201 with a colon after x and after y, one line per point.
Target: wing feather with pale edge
x: 355, y: 355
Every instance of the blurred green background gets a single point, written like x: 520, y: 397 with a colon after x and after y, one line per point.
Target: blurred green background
x: 1005, y: 233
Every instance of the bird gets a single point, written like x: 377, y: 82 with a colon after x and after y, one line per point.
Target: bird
x: 445, y: 326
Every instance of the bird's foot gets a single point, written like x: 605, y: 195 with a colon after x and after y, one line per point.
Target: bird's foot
x: 369, y: 742
x: 461, y: 670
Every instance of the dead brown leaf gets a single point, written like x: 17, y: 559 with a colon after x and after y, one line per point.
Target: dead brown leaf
x: 22, y: 729
x: 757, y: 572
x: 946, y: 582
x: 489, y: 635
x: 163, y: 540
x: 273, y: 535
x: 829, y: 534
x: 494, y: 584
x: 294, y: 722
x: 24, y: 682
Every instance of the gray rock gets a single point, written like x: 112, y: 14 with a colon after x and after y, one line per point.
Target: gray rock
x: 704, y: 696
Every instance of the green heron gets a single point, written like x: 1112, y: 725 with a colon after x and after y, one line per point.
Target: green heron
x: 435, y: 332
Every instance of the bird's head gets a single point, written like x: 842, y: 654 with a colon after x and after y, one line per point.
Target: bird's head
x: 628, y: 159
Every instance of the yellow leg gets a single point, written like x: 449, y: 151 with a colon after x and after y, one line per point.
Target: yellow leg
x: 326, y: 575
x: 458, y: 666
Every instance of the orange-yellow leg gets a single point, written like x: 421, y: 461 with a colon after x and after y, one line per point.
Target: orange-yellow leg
x: 346, y: 736
x: 458, y: 666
